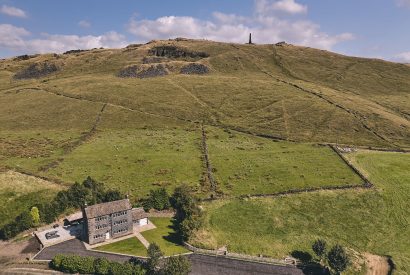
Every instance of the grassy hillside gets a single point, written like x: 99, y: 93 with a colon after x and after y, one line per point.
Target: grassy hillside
x: 19, y: 192
x: 132, y: 118
x: 375, y: 221
x: 291, y: 92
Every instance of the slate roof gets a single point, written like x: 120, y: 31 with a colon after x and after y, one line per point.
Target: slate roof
x: 139, y: 213
x: 107, y: 208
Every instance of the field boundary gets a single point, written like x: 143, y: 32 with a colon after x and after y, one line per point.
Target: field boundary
x: 224, y: 253
x: 367, y: 183
x: 31, y: 174
x: 75, y: 144
x: 208, y: 165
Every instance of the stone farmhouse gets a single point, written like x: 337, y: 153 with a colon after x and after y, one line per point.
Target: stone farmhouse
x: 111, y: 220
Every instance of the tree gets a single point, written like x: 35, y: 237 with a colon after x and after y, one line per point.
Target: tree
x: 154, y: 255
x: 35, y: 216
x: 157, y: 199
x: 319, y: 247
x: 113, y: 195
x: 338, y: 259
x: 177, y: 266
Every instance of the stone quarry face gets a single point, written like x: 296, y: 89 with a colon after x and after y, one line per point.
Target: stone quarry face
x: 36, y: 70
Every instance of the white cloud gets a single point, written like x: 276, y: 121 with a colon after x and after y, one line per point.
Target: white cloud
x: 264, y: 26
x: 403, y: 3
x: 402, y: 57
x: 16, y: 39
x: 13, y: 11
x: 84, y: 24
x: 287, y: 6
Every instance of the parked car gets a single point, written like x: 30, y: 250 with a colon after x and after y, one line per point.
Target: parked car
x: 52, y: 235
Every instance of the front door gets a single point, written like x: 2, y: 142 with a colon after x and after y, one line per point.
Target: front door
x: 107, y: 235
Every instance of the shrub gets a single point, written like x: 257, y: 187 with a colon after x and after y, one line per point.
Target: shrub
x: 35, y: 216
x: 177, y: 266
x: 101, y: 266
x: 89, y: 265
x: 338, y: 259
x: 319, y: 247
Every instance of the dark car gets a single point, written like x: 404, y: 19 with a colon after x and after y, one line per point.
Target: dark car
x: 52, y: 235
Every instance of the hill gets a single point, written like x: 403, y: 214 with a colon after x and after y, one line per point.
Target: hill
x: 235, y: 122
x: 288, y: 92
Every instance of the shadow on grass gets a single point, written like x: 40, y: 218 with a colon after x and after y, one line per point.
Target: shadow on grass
x: 308, y: 265
x: 174, y: 237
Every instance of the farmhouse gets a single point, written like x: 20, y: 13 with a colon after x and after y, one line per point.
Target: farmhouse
x: 111, y: 220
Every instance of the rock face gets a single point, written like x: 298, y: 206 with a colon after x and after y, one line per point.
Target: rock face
x: 153, y: 59
x: 175, y: 52
x: 24, y: 57
x: 36, y: 70
x: 153, y: 71
x: 194, y: 68
x: 130, y: 71
x: 143, y: 72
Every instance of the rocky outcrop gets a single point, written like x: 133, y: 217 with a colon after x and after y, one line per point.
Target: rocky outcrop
x: 176, y: 52
x: 194, y: 68
x: 37, y: 70
x: 143, y: 71
x: 24, y: 57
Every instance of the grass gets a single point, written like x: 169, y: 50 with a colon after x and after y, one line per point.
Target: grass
x: 130, y: 246
x: 347, y: 104
x: 30, y: 150
x: 251, y: 165
x: 20, y: 192
x: 136, y: 161
x: 165, y: 236
x: 375, y: 221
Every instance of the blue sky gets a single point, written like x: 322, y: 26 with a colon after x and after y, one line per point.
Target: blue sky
x: 369, y: 28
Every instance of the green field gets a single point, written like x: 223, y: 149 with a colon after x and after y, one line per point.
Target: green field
x: 165, y: 236
x: 251, y: 165
x: 136, y: 161
x: 130, y: 246
x: 374, y: 221
x: 20, y: 192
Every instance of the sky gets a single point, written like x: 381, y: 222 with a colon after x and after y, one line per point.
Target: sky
x: 367, y: 28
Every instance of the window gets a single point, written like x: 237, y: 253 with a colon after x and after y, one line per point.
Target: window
x: 120, y: 230
x: 101, y: 226
x: 120, y: 222
x: 98, y: 236
x: 101, y: 218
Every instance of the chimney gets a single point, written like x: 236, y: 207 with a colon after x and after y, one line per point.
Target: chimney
x: 250, y: 38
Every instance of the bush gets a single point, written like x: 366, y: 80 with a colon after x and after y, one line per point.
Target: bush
x: 319, y: 247
x: 177, y: 266
x: 101, y: 266
x: 338, y: 259
x: 89, y: 265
